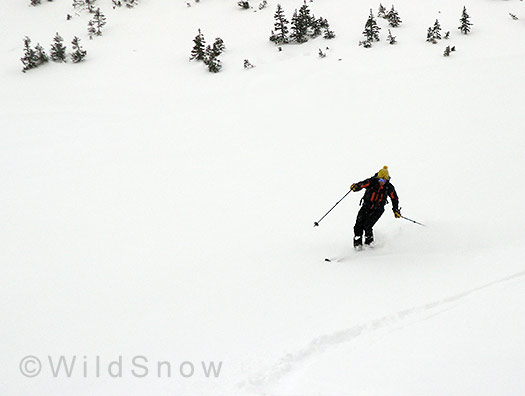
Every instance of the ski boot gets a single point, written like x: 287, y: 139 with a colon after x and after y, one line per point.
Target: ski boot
x: 369, y: 240
x: 358, y: 242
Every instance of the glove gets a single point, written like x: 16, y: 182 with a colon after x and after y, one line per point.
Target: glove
x: 397, y: 214
x: 354, y: 187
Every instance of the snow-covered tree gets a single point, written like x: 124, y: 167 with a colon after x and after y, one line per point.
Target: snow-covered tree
x: 303, y: 24
x: 92, y: 30
x: 431, y: 38
x: 371, y: 31
x: 29, y: 60
x: 248, y: 65
x: 78, y: 53
x: 391, y: 39
x: 447, y: 51
x: 41, y: 55
x: 393, y: 18
x: 34, y: 3
x: 81, y: 5
x: 316, y: 27
x: 307, y: 20
x: 381, y: 13
x: 214, y: 65
x: 212, y: 61
x: 211, y: 56
x: 127, y: 3
x: 465, y: 22
x: 218, y: 46
x: 434, y: 33
x: 198, y: 51
x: 58, y: 50
x: 328, y: 34
x: 299, y: 29
x: 244, y: 4
x: 437, y: 30
x: 96, y: 24
x: 280, y: 32
x: 131, y: 3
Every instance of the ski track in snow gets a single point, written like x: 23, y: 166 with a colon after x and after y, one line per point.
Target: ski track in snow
x: 320, y: 344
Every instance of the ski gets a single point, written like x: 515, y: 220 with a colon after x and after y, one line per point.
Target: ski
x: 357, y: 249
x: 336, y: 259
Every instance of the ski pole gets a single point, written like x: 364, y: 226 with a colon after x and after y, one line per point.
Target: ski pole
x: 316, y: 223
x: 413, y: 221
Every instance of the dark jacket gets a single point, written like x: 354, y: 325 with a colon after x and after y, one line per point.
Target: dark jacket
x: 376, y: 195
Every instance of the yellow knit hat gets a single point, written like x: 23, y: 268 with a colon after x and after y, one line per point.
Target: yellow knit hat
x: 383, y: 173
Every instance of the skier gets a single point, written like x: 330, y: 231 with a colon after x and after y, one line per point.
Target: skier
x: 378, y: 189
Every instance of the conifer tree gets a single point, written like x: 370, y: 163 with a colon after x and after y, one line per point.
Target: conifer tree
x: 92, y: 30
x: 323, y: 23
x: 34, y: 3
x: 198, y: 52
x: 307, y: 20
x: 58, y: 50
x: 78, y: 53
x: 393, y: 18
x: 131, y: 3
x: 41, y: 55
x: 212, y: 61
x: 447, y: 51
x: 371, y: 31
x: 127, y: 3
x: 430, y: 36
x: 437, y: 30
x: 299, y: 29
x: 243, y: 4
x: 81, y: 5
x: 29, y: 60
x: 273, y: 37
x: 465, y: 22
x: 316, y: 27
x: 280, y: 27
x: 391, y: 39
x: 303, y: 25
x: 381, y: 13
x: 214, y: 65
x: 96, y: 24
x: 328, y: 34
x: 218, y: 46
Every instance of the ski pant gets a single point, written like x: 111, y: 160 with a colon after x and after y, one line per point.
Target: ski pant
x: 366, y: 219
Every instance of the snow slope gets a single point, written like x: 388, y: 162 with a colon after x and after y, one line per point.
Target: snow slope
x: 151, y: 208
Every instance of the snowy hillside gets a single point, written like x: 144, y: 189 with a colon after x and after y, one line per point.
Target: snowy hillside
x: 159, y: 216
